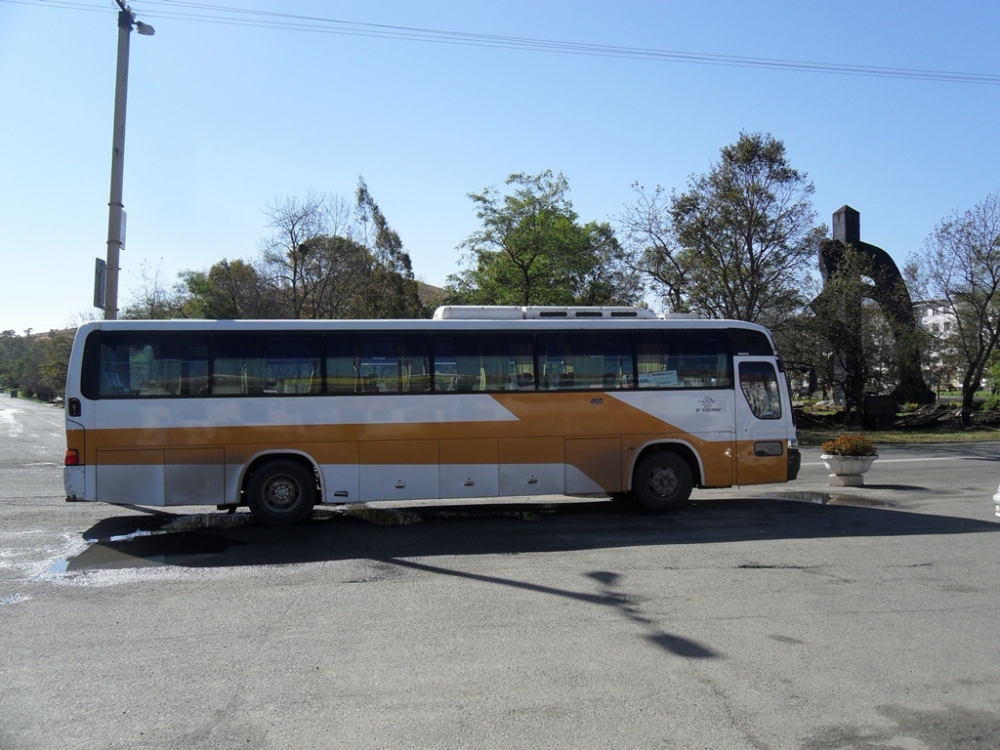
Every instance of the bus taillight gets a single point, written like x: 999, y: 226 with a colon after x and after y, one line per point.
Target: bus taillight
x: 72, y: 457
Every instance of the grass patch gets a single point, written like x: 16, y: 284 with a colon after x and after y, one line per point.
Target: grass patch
x: 813, y: 436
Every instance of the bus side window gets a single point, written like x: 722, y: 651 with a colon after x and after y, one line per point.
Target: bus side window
x: 259, y: 365
x: 393, y: 364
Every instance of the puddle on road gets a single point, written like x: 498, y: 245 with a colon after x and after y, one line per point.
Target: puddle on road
x: 829, y: 498
x: 147, y: 551
x: 191, y: 542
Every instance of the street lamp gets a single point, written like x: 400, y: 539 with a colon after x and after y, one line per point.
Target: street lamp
x: 116, y: 213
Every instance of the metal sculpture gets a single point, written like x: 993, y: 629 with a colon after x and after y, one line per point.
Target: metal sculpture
x: 890, y: 293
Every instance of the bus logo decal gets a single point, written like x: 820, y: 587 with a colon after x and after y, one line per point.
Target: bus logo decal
x: 708, y: 404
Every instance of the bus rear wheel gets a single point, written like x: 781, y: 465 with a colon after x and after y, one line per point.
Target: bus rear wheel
x: 281, y: 493
x: 662, y: 482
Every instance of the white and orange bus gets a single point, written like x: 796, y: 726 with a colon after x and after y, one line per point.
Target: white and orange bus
x: 478, y: 402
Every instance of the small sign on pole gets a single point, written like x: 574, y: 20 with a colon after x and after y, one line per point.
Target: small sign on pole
x: 100, y: 282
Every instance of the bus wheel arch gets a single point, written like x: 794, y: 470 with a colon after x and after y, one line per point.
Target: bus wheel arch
x: 664, y: 476
x: 281, y: 489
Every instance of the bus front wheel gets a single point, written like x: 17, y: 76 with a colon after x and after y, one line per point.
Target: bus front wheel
x: 662, y: 482
x: 281, y: 493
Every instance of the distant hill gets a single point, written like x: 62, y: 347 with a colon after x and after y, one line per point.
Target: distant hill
x: 431, y: 296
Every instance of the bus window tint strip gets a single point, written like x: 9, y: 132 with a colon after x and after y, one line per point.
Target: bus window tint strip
x: 163, y: 364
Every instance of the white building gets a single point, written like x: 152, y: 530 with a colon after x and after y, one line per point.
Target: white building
x: 936, y: 318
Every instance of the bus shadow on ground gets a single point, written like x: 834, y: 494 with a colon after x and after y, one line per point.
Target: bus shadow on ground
x: 206, y: 540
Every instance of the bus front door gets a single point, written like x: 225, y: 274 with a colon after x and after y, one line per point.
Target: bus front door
x: 762, y: 422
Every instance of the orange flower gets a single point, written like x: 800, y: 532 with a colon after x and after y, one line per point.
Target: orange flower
x: 850, y: 445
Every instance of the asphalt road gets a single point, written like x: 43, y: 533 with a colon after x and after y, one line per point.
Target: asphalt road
x: 788, y: 616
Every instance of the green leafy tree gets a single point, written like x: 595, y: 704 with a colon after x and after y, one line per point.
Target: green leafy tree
x: 12, y: 351
x: 391, y: 291
x: 336, y: 266
x: 53, y: 365
x: 531, y: 250
x: 992, y: 402
x: 739, y: 243
x: 320, y: 261
x: 35, y: 364
x: 806, y: 354
x: 229, y: 289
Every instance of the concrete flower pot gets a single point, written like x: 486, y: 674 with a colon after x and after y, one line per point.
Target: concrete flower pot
x: 846, y: 471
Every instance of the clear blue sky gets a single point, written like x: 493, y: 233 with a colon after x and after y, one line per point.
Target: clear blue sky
x: 224, y: 118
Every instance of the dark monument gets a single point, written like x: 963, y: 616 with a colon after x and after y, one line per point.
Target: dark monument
x: 890, y: 293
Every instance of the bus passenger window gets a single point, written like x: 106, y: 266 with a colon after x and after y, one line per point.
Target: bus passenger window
x: 114, y: 375
x: 384, y: 363
x: 268, y: 365
x: 575, y: 361
x: 466, y: 362
x: 684, y: 359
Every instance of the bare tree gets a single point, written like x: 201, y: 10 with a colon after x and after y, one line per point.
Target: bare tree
x: 324, y: 260
x: 960, y: 264
x: 296, y: 257
x: 655, y: 250
x: 152, y: 299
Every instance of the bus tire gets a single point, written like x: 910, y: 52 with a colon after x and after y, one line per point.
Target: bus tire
x: 281, y: 493
x: 662, y: 482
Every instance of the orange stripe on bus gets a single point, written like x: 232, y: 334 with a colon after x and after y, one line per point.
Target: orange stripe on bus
x: 557, y: 428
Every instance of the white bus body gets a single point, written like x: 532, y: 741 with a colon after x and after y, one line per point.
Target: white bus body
x: 280, y: 415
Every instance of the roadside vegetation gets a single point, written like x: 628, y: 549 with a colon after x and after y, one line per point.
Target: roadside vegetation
x: 935, y: 423
x: 814, y: 436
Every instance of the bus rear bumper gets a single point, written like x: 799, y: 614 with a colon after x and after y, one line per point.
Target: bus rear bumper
x: 74, y: 480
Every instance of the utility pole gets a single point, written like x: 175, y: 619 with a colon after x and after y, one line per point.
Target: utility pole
x: 116, y: 212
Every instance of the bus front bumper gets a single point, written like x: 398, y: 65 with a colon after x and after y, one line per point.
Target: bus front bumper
x: 794, y: 463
